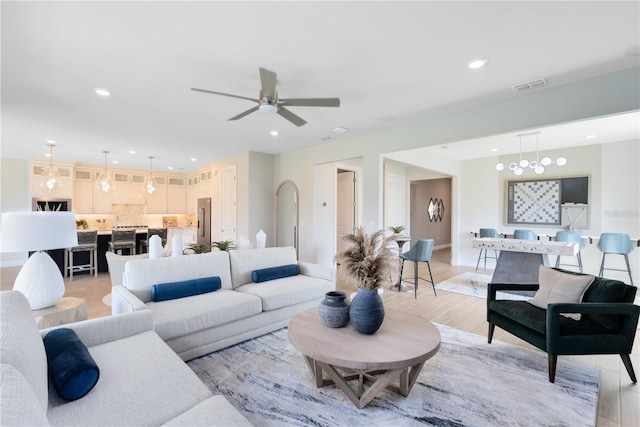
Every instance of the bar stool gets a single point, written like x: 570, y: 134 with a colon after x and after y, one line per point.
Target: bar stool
x: 162, y: 232
x: 487, y: 232
x: 524, y: 234
x: 87, y: 242
x: 123, y: 239
x: 420, y: 252
x: 615, y: 243
x: 573, y: 237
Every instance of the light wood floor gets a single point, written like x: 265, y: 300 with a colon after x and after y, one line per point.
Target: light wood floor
x: 619, y: 400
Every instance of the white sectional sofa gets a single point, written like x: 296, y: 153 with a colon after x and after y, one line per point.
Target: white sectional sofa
x: 142, y: 381
x: 240, y: 310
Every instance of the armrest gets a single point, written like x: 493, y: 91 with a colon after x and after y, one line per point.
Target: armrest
x: 629, y: 311
x: 94, y: 332
x: 123, y: 301
x: 493, y: 288
x: 317, y: 270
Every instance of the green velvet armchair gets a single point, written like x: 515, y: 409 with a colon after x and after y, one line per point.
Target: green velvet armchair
x: 607, y: 324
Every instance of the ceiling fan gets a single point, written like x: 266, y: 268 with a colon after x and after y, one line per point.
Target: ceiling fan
x: 269, y: 101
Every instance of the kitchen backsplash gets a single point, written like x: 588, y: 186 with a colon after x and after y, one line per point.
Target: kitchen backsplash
x: 133, y: 215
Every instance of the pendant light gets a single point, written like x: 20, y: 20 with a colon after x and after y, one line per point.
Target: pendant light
x: 150, y: 185
x: 105, y: 181
x: 52, y: 183
x: 537, y: 165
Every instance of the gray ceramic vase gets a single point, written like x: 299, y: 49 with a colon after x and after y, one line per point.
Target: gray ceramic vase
x: 367, y: 311
x: 334, y: 309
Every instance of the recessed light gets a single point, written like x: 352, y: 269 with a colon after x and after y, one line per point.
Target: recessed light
x: 590, y: 136
x: 477, y: 63
x: 339, y: 129
x: 493, y: 150
x: 115, y: 162
x: 47, y: 154
x: 274, y: 133
x: 170, y: 168
x: 193, y: 159
x: 51, y: 141
x: 132, y: 151
x: 102, y: 92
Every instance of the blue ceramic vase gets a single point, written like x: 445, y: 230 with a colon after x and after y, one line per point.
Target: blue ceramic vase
x: 366, y: 312
x: 334, y: 309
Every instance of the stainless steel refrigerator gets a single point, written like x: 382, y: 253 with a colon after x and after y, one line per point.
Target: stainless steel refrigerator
x: 204, y: 220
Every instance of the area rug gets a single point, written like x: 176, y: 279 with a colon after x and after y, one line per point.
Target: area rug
x: 467, y: 383
x: 474, y: 284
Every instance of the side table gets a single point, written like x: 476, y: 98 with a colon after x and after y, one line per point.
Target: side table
x: 66, y: 310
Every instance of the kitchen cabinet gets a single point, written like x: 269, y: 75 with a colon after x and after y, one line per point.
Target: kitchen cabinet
x: 193, y: 192
x: 176, y: 195
x: 86, y: 199
x: 157, y: 204
x: 188, y: 235
x: 38, y: 173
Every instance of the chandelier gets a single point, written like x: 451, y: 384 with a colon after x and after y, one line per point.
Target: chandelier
x: 52, y: 183
x: 150, y: 185
x: 105, y: 181
x: 537, y: 165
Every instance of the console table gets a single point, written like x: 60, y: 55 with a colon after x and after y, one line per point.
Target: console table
x: 519, y: 259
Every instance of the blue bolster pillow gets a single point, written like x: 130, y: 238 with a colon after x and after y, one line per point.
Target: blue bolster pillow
x: 71, y: 367
x: 187, y: 288
x: 273, y: 273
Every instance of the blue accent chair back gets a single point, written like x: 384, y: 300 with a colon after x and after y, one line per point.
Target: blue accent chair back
x: 573, y: 237
x: 525, y: 235
x: 420, y: 252
x: 487, y: 232
x: 618, y: 244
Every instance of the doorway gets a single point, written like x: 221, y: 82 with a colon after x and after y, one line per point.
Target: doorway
x: 346, y: 205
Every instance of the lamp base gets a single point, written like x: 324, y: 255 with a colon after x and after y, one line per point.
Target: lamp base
x: 40, y: 281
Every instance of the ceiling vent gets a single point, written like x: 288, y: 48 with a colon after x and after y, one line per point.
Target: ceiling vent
x: 530, y: 85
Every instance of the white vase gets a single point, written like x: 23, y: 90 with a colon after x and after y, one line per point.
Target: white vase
x: 261, y: 239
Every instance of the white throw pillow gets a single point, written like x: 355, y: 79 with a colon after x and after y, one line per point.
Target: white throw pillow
x: 558, y: 287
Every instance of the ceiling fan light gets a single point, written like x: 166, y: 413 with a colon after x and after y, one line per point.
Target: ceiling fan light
x: 500, y: 166
x: 268, y: 108
x: 561, y: 161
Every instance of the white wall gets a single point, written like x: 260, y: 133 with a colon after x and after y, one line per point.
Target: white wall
x: 615, y: 93
x: 14, y: 196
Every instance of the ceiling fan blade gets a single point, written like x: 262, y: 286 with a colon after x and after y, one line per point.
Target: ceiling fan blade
x: 224, y: 94
x: 268, y: 81
x: 311, y: 102
x: 246, y: 113
x: 296, y: 120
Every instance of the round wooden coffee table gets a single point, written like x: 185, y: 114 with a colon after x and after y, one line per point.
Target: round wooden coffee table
x: 398, y: 350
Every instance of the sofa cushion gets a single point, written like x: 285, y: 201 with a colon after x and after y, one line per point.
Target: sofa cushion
x: 287, y: 291
x: 184, y: 316
x: 559, y: 287
x: 608, y: 291
x: 245, y: 261
x: 272, y: 273
x: 19, y: 404
x: 142, y: 382
x: 21, y: 343
x: 72, y: 369
x: 186, y: 288
x: 140, y: 275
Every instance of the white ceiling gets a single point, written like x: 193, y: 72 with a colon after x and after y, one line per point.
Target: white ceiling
x: 385, y: 60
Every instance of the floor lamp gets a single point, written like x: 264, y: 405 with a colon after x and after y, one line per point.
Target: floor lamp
x: 39, y: 279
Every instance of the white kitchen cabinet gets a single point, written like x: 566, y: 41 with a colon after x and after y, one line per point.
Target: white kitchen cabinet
x: 128, y: 189
x: 157, y: 204
x: 193, y: 192
x: 176, y: 195
x: 38, y: 173
x: 86, y: 198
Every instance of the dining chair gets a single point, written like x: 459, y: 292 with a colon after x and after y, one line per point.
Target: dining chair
x: 87, y: 242
x: 420, y: 252
x: 615, y: 243
x: 487, y: 232
x: 524, y: 234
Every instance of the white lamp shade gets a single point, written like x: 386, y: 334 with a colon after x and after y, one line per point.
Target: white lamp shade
x: 37, y: 231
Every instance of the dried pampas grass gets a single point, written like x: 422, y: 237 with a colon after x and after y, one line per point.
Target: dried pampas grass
x: 369, y: 261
